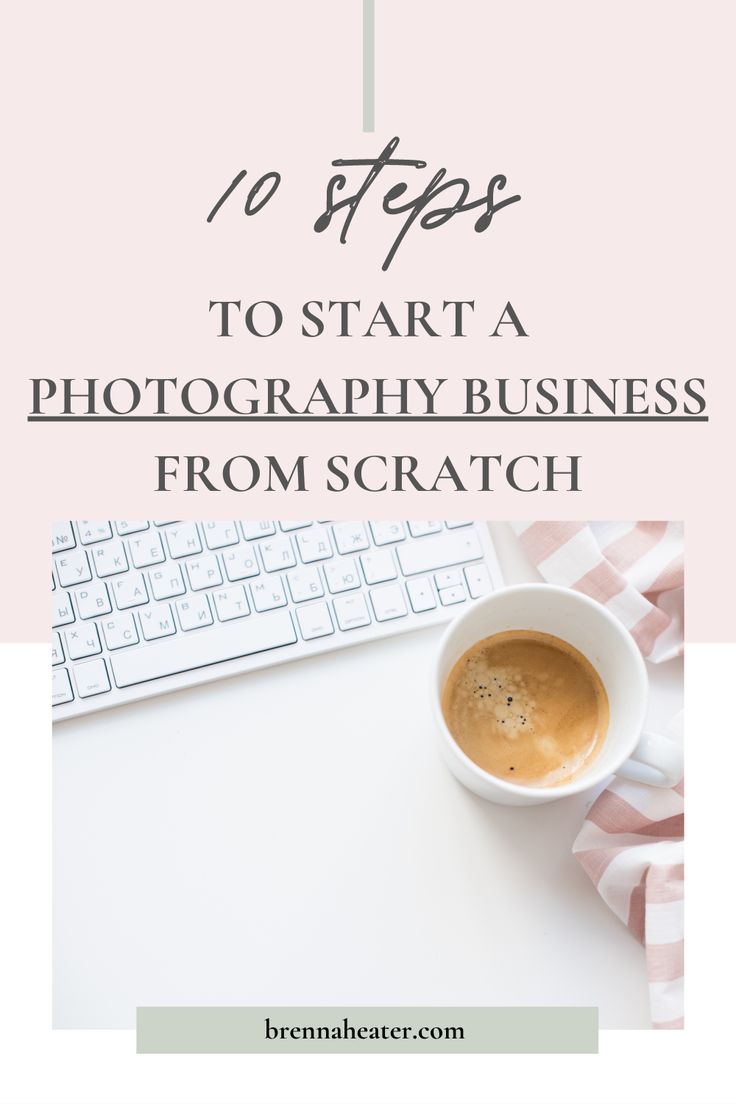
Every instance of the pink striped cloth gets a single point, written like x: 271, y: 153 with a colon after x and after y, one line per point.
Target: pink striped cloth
x: 631, y: 842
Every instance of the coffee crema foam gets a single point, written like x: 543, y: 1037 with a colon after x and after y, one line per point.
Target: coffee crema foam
x: 526, y: 707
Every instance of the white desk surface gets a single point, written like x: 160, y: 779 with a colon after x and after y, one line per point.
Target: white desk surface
x: 293, y: 837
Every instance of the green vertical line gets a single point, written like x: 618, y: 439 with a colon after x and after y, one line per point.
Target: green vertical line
x: 369, y: 65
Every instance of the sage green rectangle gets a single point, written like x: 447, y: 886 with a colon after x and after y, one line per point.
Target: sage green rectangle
x: 369, y: 1030
x: 369, y: 65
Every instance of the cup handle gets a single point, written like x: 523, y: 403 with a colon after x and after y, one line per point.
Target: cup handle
x: 656, y: 760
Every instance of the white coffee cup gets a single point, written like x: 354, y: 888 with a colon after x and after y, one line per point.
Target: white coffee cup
x: 587, y: 625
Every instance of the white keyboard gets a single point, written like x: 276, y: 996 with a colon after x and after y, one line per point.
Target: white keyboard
x: 143, y: 607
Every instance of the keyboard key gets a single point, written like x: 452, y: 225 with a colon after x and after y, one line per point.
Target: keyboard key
x: 125, y: 528
x: 61, y: 688
x: 305, y: 583
x: 166, y: 582
x: 183, y: 540
x: 277, y: 554
x: 388, y: 603
x: 170, y: 657
x: 478, y: 580
x: 109, y: 558
x: 290, y: 526
x: 342, y: 575
x: 73, y: 567
x: 350, y: 536
x: 448, y: 578
x: 241, y: 563
x: 452, y: 596
x: 61, y: 610
x: 351, y: 611
x: 314, y: 621
x: 57, y: 650
x: 423, y: 528
x: 194, y: 612
x: 231, y: 603
x: 120, y: 631
x: 129, y: 590
x: 458, y: 524
x: 435, y: 553
x: 91, y: 678
x: 268, y: 594
x: 421, y: 595
x: 204, y: 572
x: 314, y: 544
x: 82, y: 642
x: 92, y: 531
x: 378, y: 567
x: 253, y: 530
x: 62, y: 536
x: 93, y: 600
x: 220, y: 534
x: 146, y: 551
x: 157, y: 621
x: 387, y: 532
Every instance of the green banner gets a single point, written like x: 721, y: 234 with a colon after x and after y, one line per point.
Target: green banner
x: 367, y: 1030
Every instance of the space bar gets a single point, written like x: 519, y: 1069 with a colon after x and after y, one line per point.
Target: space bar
x: 202, y: 647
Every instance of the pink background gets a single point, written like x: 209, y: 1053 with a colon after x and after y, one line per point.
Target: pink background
x: 127, y: 120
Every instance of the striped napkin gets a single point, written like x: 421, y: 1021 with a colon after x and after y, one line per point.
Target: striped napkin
x: 631, y: 842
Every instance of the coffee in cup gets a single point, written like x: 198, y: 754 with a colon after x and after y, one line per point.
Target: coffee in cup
x: 527, y: 707
x: 609, y: 675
